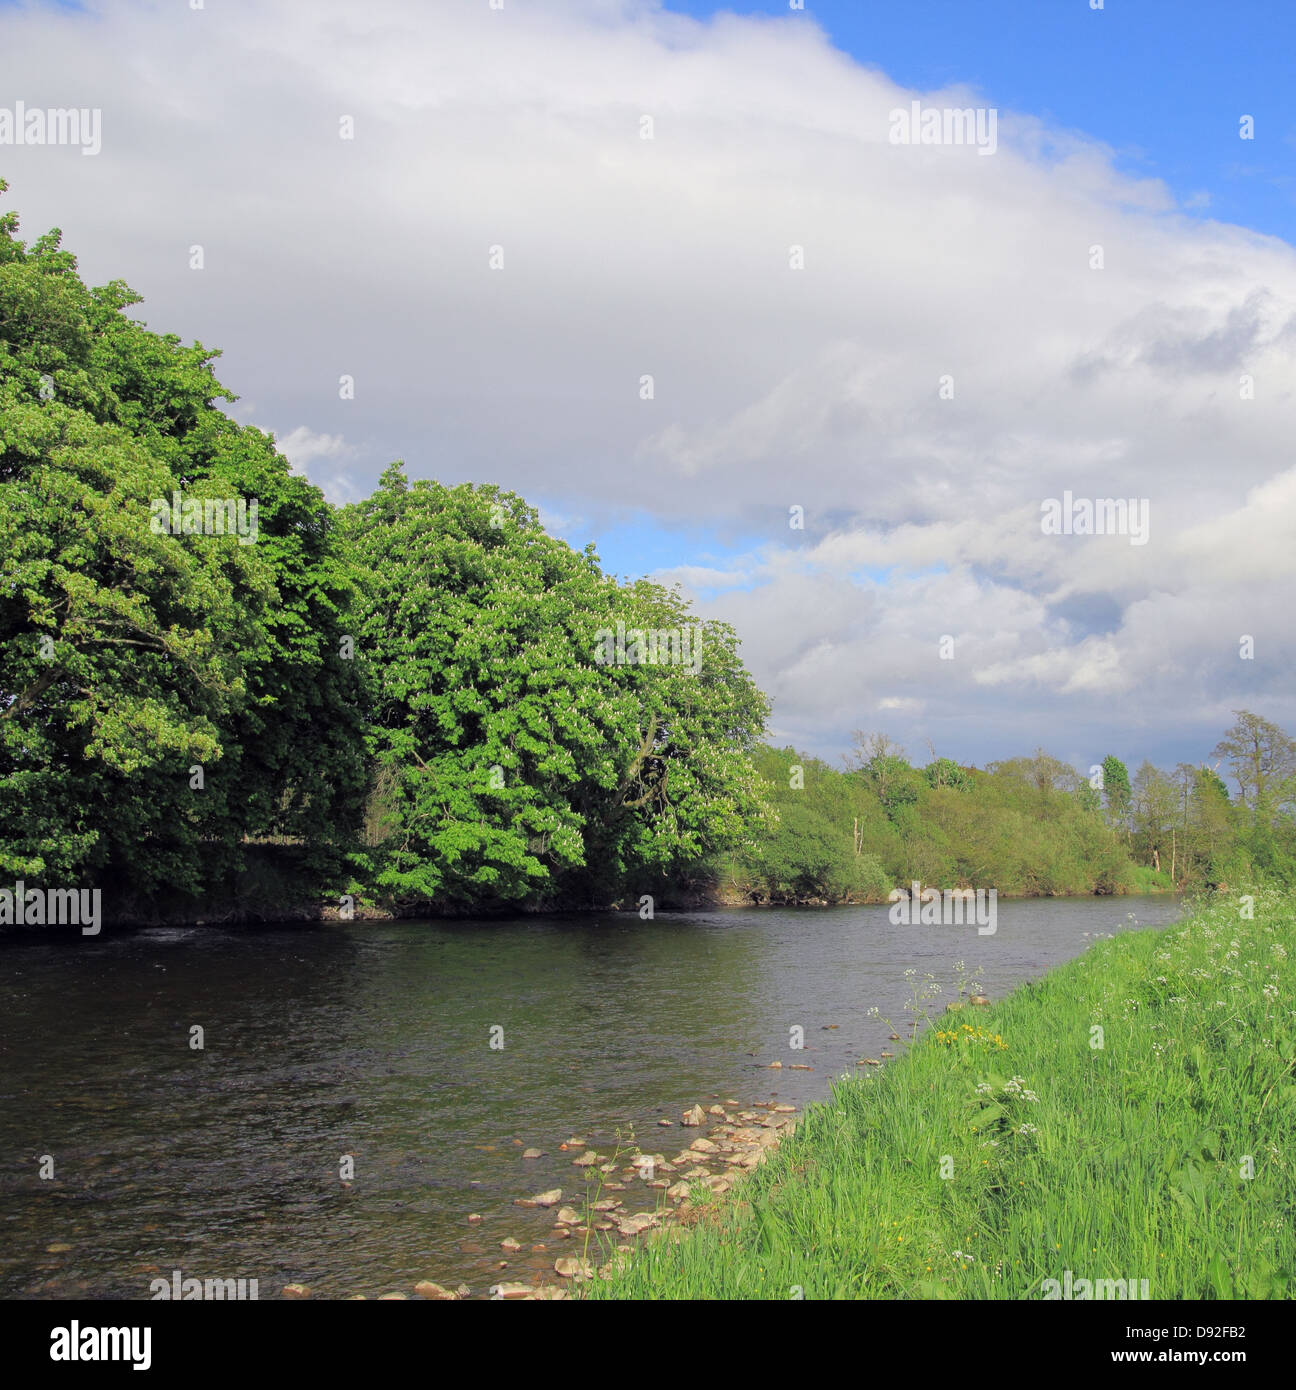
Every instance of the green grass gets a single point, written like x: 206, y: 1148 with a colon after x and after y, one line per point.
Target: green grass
x: 1127, y: 1165
x: 1148, y: 880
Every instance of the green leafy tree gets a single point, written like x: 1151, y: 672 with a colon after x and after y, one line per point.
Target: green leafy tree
x: 130, y: 656
x: 1212, y: 830
x: 1261, y: 758
x: 1153, y: 802
x: 1116, y: 790
x: 945, y: 772
x: 516, y: 765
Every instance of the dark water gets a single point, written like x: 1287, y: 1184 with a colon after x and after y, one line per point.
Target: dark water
x: 373, y: 1039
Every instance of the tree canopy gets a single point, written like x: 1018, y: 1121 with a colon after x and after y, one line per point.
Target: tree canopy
x: 135, y: 663
x: 512, y: 761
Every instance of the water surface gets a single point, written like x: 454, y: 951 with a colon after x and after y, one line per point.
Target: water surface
x: 373, y: 1040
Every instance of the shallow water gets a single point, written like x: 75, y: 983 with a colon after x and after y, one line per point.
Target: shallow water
x: 373, y: 1040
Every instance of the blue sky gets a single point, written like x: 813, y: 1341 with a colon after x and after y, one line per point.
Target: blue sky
x: 1163, y: 82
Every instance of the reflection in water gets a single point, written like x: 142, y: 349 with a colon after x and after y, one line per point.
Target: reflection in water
x: 373, y: 1040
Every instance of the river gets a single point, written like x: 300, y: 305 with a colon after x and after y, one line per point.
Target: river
x: 374, y: 1040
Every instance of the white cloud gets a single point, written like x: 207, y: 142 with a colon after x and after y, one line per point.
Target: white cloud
x: 302, y: 445
x: 773, y: 387
x: 304, y: 449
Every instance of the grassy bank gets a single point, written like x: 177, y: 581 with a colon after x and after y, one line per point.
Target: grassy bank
x: 1097, y: 1121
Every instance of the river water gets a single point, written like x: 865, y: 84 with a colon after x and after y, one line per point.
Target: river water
x: 374, y: 1040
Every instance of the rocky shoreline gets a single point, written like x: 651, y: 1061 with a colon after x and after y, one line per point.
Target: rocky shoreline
x: 606, y: 1221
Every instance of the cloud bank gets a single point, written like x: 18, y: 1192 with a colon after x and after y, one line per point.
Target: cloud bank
x: 459, y: 209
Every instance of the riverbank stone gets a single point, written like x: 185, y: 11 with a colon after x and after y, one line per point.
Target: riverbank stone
x: 437, y: 1293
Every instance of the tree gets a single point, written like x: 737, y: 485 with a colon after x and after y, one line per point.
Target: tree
x: 945, y: 772
x: 1210, y: 826
x: 519, y: 765
x: 867, y: 749
x: 1154, y: 802
x: 1262, y: 761
x: 1041, y: 771
x: 1116, y: 790
x: 886, y: 770
x: 131, y: 657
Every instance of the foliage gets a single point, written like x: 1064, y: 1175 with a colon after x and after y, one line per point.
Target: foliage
x: 1116, y: 789
x: 129, y: 658
x: 519, y: 764
x: 1024, y: 826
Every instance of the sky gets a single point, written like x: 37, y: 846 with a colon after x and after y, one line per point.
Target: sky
x: 687, y: 279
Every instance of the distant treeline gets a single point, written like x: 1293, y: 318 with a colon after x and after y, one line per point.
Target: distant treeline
x: 1023, y: 826
x: 219, y: 694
